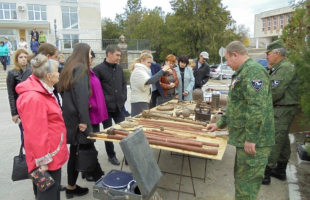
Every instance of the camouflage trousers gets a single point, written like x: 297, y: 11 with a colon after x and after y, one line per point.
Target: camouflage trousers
x: 281, y: 151
x: 249, y: 172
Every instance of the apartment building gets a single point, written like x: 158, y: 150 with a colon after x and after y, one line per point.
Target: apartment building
x: 60, y: 20
x: 268, y: 25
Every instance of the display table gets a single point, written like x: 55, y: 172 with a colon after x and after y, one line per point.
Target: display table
x: 169, y: 126
x: 156, y: 123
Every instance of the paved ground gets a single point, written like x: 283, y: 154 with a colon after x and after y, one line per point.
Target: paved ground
x: 219, y: 182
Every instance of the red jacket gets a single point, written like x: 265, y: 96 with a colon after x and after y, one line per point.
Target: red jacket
x: 165, y: 84
x: 42, y: 122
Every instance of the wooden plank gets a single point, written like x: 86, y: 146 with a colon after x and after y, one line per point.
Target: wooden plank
x: 222, y: 141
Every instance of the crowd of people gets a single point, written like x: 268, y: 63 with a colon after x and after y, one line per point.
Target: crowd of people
x: 91, y: 97
x: 6, y: 46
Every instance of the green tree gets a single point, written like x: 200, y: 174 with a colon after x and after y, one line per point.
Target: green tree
x: 151, y: 27
x: 243, y: 33
x: 195, y: 26
x: 110, y: 29
x: 132, y: 16
x: 296, y: 38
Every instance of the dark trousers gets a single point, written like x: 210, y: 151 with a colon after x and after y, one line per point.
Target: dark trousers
x: 118, y: 116
x: 3, y: 60
x: 154, y: 96
x: 72, y: 173
x: 52, y: 193
x: 21, y: 131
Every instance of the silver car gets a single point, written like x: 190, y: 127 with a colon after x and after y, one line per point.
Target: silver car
x: 217, y: 70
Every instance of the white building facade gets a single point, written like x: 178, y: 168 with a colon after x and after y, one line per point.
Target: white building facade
x: 66, y: 20
x: 268, y: 26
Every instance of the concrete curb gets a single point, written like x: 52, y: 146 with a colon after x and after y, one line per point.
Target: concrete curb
x: 292, y: 180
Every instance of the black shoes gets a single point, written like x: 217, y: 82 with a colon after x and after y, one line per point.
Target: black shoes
x: 267, y: 179
x: 88, y: 176
x: 114, y: 161
x: 279, y: 171
x: 62, y: 188
x: 78, y: 191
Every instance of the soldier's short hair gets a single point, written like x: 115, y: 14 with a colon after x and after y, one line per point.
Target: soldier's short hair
x: 236, y: 46
x: 111, y: 49
x: 282, y: 51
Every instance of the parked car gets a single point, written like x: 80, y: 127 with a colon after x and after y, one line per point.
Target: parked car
x: 217, y: 70
x: 263, y: 62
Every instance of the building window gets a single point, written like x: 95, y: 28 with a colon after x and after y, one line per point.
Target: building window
x: 281, y: 21
x: 288, y: 18
x: 269, y: 22
x: 8, y: 11
x: 263, y: 25
x: 69, y: 17
x: 275, y: 23
x: 70, y: 40
x: 36, y: 12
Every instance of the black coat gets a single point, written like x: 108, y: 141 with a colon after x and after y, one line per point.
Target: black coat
x: 201, y: 75
x: 75, y: 107
x: 37, y: 34
x: 113, y: 83
x: 12, y: 80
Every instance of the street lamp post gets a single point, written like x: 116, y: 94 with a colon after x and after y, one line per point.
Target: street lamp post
x: 56, y: 39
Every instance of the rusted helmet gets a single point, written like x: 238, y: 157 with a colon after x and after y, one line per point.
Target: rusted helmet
x: 197, y: 94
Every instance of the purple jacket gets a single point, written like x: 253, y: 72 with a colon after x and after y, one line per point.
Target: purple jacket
x: 98, y: 111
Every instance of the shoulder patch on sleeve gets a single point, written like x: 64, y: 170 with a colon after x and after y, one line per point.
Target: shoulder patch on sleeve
x: 257, y: 84
x: 275, y: 83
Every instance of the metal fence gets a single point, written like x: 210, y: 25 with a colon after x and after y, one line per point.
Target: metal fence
x: 95, y: 44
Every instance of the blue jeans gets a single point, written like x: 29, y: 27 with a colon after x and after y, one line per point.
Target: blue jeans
x: 9, y: 60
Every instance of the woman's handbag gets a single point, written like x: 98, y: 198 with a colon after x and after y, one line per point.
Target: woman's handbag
x: 43, y: 180
x: 86, y: 158
x: 20, y: 168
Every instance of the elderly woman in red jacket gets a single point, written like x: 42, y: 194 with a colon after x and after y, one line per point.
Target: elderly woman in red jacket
x: 44, y: 127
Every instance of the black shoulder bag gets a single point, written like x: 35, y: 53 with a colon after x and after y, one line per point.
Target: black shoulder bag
x: 20, y: 168
x: 86, y: 155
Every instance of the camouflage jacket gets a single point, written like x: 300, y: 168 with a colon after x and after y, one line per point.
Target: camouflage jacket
x: 249, y: 114
x: 284, y: 83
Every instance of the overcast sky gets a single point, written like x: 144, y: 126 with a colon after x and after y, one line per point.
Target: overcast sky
x: 242, y: 11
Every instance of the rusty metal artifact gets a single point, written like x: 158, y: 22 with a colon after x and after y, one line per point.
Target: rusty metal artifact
x: 197, y: 94
x: 148, y: 114
x: 165, y: 107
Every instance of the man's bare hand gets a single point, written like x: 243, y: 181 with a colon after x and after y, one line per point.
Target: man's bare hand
x: 212, y: 127
x: 249, y: 148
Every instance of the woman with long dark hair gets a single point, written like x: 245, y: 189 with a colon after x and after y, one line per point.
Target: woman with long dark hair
x: 75, y: 89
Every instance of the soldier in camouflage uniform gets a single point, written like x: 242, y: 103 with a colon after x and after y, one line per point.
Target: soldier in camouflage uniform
x: 249, y: 118
x: 285, y: 98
